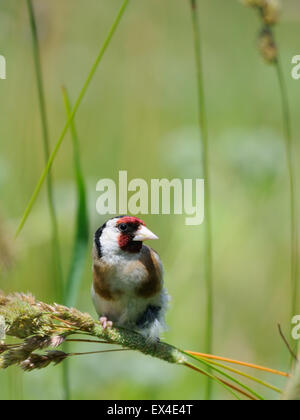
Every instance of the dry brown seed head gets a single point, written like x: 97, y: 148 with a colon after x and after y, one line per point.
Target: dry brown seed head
x: 267, y: 46
x: 271, y: 12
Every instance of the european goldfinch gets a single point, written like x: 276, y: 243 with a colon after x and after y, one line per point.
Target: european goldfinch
x: 127, y: 288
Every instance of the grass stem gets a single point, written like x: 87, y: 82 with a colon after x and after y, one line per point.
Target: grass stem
x: 58, y: 276
x: 237, y: 362
x: 208, y: 365
x: 205, y: 165
x: 81, y: 239
x: 245, y: 375
x: 225, y: 384
x: 292, y: 187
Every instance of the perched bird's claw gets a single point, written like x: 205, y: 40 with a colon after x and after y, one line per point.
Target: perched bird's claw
x: 105, y: 322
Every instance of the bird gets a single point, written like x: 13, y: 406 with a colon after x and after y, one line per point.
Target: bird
x: 128, y: 288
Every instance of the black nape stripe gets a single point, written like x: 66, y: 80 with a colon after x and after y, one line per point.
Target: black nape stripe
x: 99, y: 233
x: 148, y: 317
x: 97, y: 240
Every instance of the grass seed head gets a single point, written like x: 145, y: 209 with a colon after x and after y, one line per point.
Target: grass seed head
x: 271, y: 12
x: 268, y: 9
x: 42, y: 342
x: 267, y: 45
x: 40, y: 326
x: 13, y: 357
x: 40, y: 361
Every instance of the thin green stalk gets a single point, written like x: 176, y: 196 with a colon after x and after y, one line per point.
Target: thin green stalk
x: 205, y: 165
x: 81, y: 239
x: 78, y: 340
x: 55, y: 236
x: 231, y: 378
x: 43, y: 114
x: 73, y: 113
x: 97, y: 352
x: 238, y: 362
x: 292, y: 392
x: 291, y: 171
x: 212, y: 377
x: 287, y: 344
x: 246, y: 375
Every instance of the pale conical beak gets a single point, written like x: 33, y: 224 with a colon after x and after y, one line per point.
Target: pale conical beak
x: 143, y: 234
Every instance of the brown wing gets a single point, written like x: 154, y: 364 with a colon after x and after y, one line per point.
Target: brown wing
x: 152, y: 284
x: 101, y: 274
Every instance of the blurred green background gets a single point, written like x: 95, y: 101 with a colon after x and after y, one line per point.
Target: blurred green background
x: 140, y: 115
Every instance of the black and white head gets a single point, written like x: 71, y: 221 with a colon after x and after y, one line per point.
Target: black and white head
x: 122, y: 234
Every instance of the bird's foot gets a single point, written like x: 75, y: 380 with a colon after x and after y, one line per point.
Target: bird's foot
x: 105, y: 322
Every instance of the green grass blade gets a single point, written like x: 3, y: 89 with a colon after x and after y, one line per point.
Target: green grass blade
x: 205, y: 166
x: 231, y: 378
x: 286, y: 116
x: 80, y: 241
x: 292, y: 391
x: 214, y: 378
x: 73, y: 113
x: 82, y: 222
x: 246, y: 375
x: 58, y: 276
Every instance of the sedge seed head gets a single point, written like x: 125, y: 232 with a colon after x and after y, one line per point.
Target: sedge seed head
x: 269, y: 9
x: 271, y: 12
x: 267, y: 46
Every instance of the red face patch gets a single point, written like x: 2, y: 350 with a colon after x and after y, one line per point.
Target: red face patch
x: 130, y: 219
x: 126, y: 244
x: 127, y: 233
x: 124, y: 240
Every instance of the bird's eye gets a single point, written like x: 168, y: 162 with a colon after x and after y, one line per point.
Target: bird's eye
x: 122, y: 227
